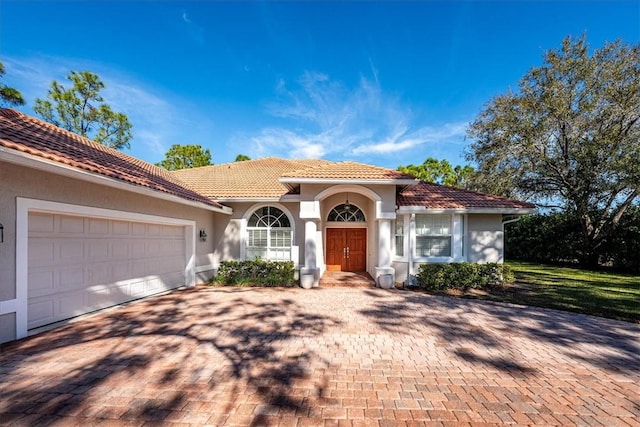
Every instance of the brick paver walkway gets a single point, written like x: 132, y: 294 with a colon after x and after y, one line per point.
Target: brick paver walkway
x: 339, y: 356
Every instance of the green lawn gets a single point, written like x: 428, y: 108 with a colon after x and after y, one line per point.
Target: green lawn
x: 603, y: 294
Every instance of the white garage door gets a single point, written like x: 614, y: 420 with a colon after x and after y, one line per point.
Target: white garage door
x: 78, y: 264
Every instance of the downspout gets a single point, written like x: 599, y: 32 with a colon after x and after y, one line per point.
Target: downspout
x: 509, y: 221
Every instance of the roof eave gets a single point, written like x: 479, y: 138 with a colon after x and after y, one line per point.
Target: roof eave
x: 35, y: 162
x: 283, y: 198
x: 463, y: 210
x: 399, y: 181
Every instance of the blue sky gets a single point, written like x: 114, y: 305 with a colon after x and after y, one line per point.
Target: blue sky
x: 387, y: 83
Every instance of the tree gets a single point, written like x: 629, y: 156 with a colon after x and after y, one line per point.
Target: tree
x: 81, y: 109
x: 440, y: 172
x: 185, y: 157
x: 242, y: 158
x: 9, y: 96
x: 569, y: 138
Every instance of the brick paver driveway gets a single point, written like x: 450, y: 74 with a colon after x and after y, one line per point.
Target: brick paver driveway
x: 324, y: 357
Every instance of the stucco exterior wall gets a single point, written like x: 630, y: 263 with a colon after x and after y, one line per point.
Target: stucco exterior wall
x: 484, y: 241
x: 18, y: 181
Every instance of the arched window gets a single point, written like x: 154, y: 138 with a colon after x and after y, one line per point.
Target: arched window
x: 269, y: 235
x: 346, y: 212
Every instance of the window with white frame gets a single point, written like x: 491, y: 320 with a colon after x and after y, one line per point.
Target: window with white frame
x: 399, y: 236
x: 433, y: 235
x: 346, y: 212
x: 269, y: 235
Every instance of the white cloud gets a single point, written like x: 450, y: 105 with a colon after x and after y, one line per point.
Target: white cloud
x: 447, y: 133
x: 324, y: 118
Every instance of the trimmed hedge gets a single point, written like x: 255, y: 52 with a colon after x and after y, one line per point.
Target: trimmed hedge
x: 256, y: 273
x: 463, y: 275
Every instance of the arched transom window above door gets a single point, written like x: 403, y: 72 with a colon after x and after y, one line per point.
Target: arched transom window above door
x: 269, y: 235
x: 346, y: 212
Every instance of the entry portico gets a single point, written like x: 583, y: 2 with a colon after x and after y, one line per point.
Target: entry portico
x: 352, y: 222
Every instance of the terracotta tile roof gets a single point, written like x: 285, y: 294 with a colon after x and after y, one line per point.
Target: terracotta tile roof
x: 348, y: 170
x: 249, y: 179
x: 434, y: 196
x: 32, y: 136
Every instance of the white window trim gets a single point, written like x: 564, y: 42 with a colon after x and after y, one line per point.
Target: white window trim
x: 405, y: 242
x: 353, y: 205
x: 244, y: 233
x: 457, y: 241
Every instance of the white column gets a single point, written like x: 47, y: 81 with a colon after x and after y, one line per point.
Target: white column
x: 309, y: 274
x: 385, y: 274
x: 412, y: 242
x: 384, y: 243
x: 457, y: 238
x: 310, y: 245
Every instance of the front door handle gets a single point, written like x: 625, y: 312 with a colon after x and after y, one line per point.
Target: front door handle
x: 344, y: 252
x: 347, y: 251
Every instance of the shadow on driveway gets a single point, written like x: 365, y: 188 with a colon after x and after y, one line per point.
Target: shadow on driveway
x: 171, y: 347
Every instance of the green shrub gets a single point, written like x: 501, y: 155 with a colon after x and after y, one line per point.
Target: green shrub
x: 463, y: 275
x: 256, y: 273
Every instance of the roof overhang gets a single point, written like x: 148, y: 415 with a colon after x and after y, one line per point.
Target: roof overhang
x: 284, y: 198
x: 34, y: 162
x: 357, y: 181
x: 293, y: 183
x: 501, y: 211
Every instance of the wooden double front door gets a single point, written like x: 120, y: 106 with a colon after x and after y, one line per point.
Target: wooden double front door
x: 346, y: 249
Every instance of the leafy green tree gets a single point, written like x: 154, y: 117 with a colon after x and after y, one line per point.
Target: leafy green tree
x: 440, y: 172
x: 9, y: 96
x: 81, y: 109
x: 185, y: 157
x: 569, y: 137
x: 242, y: 158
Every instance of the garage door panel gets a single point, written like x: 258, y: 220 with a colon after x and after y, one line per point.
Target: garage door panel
x: 138, y: 229
x: 70, y: 224
x: 98, y: 226
x: 161, y: 266
x: 120, y: 228
x: 71, y: 304
x: 43, y: 223
x: 135, y: 288
x: 164, y: 247
x: 100, y: 297
x: 139, y: 268
x: 78, y: 265
x: 70, y: 279
x: 98, y: 249
x: 120, y: 249
x: 138, y: 249
x: 154, y: 285
x: 41, y: 253
x: 70, y: 250
x: 40, y: 311
x: 41, y: 283
x: 98, y: 274
x: 154, y: 230
x: 121, y: 270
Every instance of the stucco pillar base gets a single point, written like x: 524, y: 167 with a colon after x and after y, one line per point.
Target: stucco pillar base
x: 309, y: 277
x: 385, y: 277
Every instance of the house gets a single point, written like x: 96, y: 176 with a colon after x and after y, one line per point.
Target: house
x: 84, y: 227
